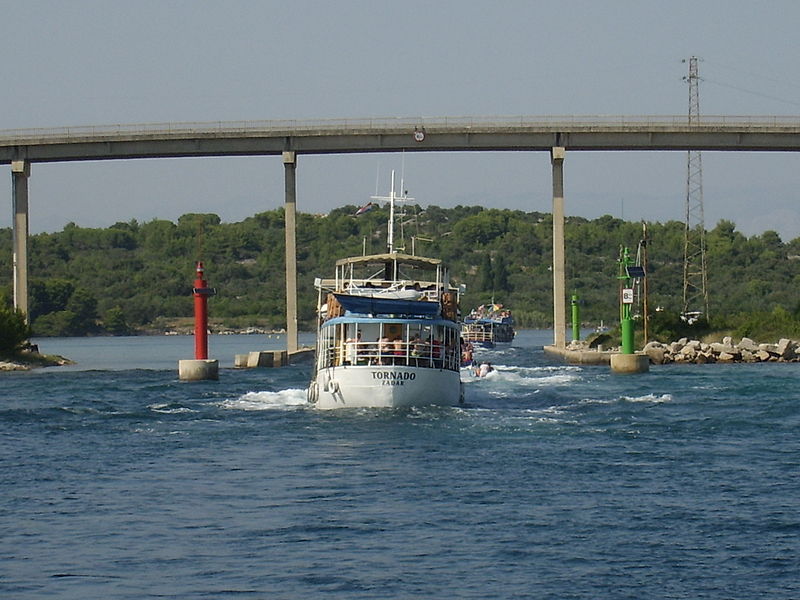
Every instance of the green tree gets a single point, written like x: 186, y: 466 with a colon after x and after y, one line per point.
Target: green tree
x: 49, y: 295
x: 14, y: 331
x: 56, y: 324
x: 114, y: 321
x: 83, y: 305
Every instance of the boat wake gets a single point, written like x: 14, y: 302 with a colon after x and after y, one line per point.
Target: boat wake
x: 649, y: 398
x: 284, y: 399
x: 509, y: 376
x: 646, y: 398
x: 169, y: 408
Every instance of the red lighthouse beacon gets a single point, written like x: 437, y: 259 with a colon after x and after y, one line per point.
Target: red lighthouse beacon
x: 201, y: 367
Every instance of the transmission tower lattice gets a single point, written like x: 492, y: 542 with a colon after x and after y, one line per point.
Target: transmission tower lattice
x: 695, y: 290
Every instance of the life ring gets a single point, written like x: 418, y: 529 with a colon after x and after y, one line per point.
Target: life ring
x: 313, y: 392
x: 333, y: 386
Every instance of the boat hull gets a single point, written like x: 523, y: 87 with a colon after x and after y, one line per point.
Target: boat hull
x: 389, y: 386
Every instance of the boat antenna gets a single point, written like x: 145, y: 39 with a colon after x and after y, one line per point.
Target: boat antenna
x: 390, y: 236
x: 391, y: 199
x: 402, y: 172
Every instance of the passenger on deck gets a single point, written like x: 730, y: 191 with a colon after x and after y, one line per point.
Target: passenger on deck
x: 385, y: 349
x: 399, y: 351
x: 466, y: 353
x: 419, y: 350
x: 437, y: 353
x: 352, y: 349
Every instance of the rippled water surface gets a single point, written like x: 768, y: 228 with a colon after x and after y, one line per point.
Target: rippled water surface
x: 554, y: 481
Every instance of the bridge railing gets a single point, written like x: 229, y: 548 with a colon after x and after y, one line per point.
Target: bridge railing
x: 322, y: 126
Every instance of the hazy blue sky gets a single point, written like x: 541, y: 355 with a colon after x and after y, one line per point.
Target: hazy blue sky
x: 104, y: 62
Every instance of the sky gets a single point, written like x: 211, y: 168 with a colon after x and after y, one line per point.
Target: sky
x: 154, y: 61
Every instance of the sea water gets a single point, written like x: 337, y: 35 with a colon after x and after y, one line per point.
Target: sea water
x: 552, y: 481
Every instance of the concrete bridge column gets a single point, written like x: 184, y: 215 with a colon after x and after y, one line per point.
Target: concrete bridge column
x: 20, y: 171
x: 290, y: 212
x: 559, y: 284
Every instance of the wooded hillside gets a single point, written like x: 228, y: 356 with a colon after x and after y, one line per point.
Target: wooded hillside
x: 132, y: 274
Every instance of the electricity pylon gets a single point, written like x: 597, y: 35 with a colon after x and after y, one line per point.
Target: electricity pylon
x: 695, y: 289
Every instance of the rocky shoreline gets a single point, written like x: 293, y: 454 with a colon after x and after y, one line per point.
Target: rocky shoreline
x: 32, y: 360
x: 746, y: 351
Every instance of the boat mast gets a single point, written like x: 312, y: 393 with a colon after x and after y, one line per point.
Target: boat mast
x: 391, y: 198
x: 390, y: 236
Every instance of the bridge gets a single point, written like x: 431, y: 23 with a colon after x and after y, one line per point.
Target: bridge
x: 556, y: 135
x: 252, y: 138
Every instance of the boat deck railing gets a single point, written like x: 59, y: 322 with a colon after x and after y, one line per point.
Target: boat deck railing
x: 477, y: 333
x: 428, y: 290
x: 411, y: 354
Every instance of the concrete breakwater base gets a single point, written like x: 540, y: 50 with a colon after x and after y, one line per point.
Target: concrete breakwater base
x: 272, y: 358
x: 620, y: 363
x: 198, y: 369
x: 583, y: 356
x: 626, y: 364
x: 261, y: 358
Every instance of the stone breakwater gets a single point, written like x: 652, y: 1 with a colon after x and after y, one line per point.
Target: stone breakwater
x: 694, y: 351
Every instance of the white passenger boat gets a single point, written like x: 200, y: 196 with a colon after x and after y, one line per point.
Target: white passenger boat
x: 388, y: 333
x: 488, y: 325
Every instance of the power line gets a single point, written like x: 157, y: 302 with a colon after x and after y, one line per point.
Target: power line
x: 752, y: 92
x: 778, y: 80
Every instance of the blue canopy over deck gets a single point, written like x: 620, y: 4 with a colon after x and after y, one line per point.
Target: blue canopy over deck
x: 366, y: 305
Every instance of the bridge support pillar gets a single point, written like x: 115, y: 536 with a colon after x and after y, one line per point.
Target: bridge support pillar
x: 20, y: 171
x: 290, y: 213
x: 559, y: 284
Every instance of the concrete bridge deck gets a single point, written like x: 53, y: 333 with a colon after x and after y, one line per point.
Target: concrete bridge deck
x: 599, y: 133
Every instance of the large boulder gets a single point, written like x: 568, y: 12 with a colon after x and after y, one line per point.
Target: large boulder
x: 748, y: 344
x: 785, y: 348
x: 710, y: 357
x: 719, y: 348
x: 655, y: 351
x: 694, y: 345
x: 763, y: 355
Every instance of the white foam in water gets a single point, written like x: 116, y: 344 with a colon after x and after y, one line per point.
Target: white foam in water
x: 530, y: 376
x: 651, y: 398
x: 167, y: 409
x: 648, y: 398
x: 290, y: 398
x: 553, y: 379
